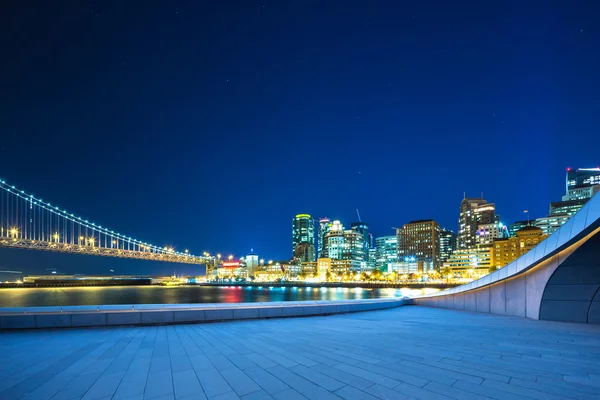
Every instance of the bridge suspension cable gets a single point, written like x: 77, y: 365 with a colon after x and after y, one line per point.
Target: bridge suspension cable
x: 29, y: 222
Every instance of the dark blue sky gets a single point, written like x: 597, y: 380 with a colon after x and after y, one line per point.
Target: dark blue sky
x: 209, y: 125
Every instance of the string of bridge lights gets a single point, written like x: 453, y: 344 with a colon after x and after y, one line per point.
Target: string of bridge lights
x: 85, y: 223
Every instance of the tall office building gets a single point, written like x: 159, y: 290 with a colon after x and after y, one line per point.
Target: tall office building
x: 324, y: 226
x: 386, y: 251
x: 354, y: 249
x: 580, y: 178
x: 447, y: 244
x: 340, y: 244
x: 473, y: 212
x: 421, y: 240
x: 363, y: 229
x: 581, y: 185
x: 303, y: 230
x: 560, y: 212
x: 333, y: 241
x: 487, y: 233
x: 304, y: 252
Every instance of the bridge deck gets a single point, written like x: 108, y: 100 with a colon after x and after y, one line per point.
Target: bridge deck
x: 408, y: 352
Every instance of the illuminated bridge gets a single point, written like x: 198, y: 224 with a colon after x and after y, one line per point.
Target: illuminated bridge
x: 27, y: 222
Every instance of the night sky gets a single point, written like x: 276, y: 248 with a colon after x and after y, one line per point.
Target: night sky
x: 209, y: 125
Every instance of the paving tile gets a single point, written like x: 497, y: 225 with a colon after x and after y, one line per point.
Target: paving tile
x: 239, y: 381
x: 226, y: 396
x: 368, y: 375
x: 260, y: 395
x: 186, y: 383
x: 403, y: 353
x: 159, y: 384
x: 452, y: 392
x: 319, y: 393
x: 106, y: 385
x: 487, y: 391
x: 317, y: 378
x: 295, y: 381
x: 343, y: 377
x: 381, y: 392
x: 350, y: 393
x: 289, y: 394
x: 265, y: 380
x: 213, y: 383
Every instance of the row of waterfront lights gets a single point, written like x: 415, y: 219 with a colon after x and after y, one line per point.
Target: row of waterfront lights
x: 14, y: 231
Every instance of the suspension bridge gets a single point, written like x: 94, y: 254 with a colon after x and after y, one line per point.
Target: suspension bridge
x: 27, y: 222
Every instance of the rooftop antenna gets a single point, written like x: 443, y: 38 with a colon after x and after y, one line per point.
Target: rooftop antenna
x: 357, y: 213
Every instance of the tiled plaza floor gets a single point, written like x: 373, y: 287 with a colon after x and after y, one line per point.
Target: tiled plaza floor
x: 402, y: 353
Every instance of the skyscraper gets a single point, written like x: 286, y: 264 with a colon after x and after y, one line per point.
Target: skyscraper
x: 421, y: 239
x: 473, y: 212
x: 354, y: 249
x: 386, y: 251
x: 340, y: 244
x: 303, y: 230
x: 581, y: 185
x: 447, y: 243
x: 363, y: 229
x: 333, y: 241
x: 581, y: 178
x: 324, y: 226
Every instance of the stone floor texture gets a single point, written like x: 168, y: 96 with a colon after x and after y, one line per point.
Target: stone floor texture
x: 404, y: 353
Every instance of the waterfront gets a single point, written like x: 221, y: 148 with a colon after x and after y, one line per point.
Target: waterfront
x: 73, y: 296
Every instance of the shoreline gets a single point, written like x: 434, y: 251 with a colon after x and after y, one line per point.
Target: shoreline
x: 364, y: 285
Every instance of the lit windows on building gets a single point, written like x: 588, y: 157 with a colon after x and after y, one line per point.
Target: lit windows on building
x: 473, y: 212
x: 487, y: 233
x: 363, y: 229
x: 508, y: 250
x: 386, y: 251
x: 420, y: 239
x: 303, y: 230
x: 470, y: 263
x: 582, y: 177
x: 448, y: 242
x: 324, y: 227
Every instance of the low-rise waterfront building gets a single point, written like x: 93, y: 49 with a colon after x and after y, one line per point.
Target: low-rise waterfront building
x: 470, y: 263
x: 505, y: 251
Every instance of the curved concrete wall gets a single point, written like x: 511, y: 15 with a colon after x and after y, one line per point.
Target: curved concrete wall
x: 557, y: 280
x: 572, y: 293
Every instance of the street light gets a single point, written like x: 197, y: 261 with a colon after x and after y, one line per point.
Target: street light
x: 230, y: 257
x: 270, y: 262
x: 91, y: 240
x: 56, y: 236
x: 14, y: 231
x: 219, y: 256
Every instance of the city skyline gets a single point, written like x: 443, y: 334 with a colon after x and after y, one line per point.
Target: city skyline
x: 211, y: 131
